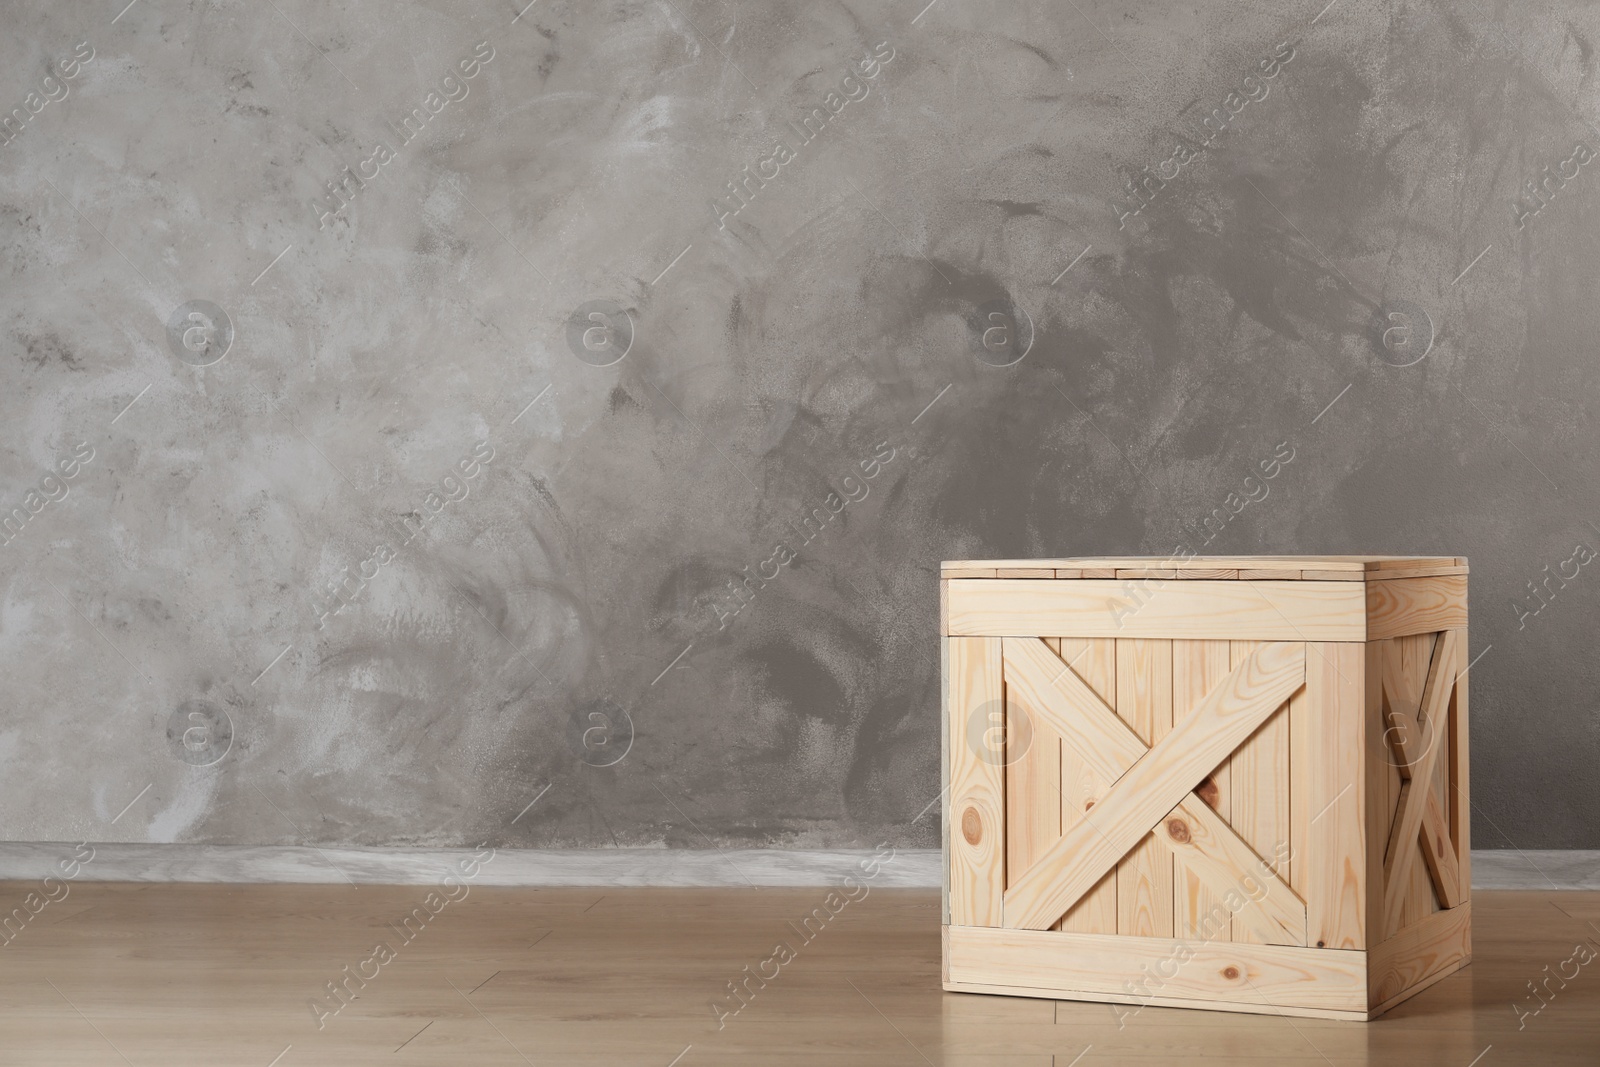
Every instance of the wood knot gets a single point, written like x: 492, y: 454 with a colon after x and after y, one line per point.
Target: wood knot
x: 1087, y: 804
x: 972, y: 826
x: 1209, y: 792
x: 1178, y: 830
x: 1230, y: 973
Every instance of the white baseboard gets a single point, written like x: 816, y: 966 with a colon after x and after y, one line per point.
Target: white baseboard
x: 1541, y: 869
x: 31, y: 861
x: 920, y: 868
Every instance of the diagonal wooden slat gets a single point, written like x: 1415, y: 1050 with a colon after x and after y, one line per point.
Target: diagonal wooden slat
x: 1404, y: 733
x: 1405, y: 832
x: 1227, y: 864
x: 1038, y: 681
x: 1408, y: 738
x: 1439, y: 854
x: 1154, y: 784
x: 1045, y: 686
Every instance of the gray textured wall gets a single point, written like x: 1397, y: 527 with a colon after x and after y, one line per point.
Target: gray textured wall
x: 387, y: 341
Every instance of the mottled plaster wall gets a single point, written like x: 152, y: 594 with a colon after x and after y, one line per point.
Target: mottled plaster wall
x: 774, y: 352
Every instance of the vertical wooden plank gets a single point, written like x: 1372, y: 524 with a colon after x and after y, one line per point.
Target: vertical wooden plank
x: 1380, y: 785
x: 1460, y: 766
x: 1335, y: 860
x: 1144, y: 702
x: 1302, y: 750
x: 1095, y: 661
x: 1258, y: 776
x: 944, y: 777
x: 1197, y: 667
x: 1033, y: 791
x: 976, y: 840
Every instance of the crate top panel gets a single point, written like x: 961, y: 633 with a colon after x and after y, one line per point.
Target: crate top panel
x: 1237, y: 568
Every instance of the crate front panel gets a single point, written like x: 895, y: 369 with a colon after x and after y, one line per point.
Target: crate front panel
x: 1244, y: 830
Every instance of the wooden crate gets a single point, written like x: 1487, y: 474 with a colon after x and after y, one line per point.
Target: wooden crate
x: 1230, y: 783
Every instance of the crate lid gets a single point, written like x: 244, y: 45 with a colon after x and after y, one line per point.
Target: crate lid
x: 1247, y: 568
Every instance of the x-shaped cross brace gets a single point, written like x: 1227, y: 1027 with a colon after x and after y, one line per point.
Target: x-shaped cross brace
x: 1417, y: 732
x: 1152, y: 787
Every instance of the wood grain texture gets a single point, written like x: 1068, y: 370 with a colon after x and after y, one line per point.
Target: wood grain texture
x: 1064, y: 964
x: 1381, y: 784
x: 1415, y: 606
x: 1416, y: 653
x: 1034, y: 797
x: 1244, y: 882
x: 1371, y: 567
x: 1267, y: 611
x: 1093, y: 662
x: 600, y: 977
x: 1402, y: 849
x: 976, y: 832
x: 1235, y: 876
x: 1259, y: 774
x: 1461, y: 771
x: 1154, y: 785
x: 1144, y: 702
x: 1301, y: 755
x: 1198, y: 667
x: 1442, y: 940
x: 1333, y: 858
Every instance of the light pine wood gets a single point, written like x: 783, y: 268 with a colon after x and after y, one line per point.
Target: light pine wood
x: 1409, y: 737
x: 1417, y: 653
x: 1154, y: 785
x: 1272, y: 914
x: 1259, y: 773
x: 1100, y: 963
x: 1407, y: 606
x: 1034, y: 796
x: 1241, y: 1007
x: 1332, y: 820
x: 1093, y: 662
x: 1461, y: 767
x: 1297, y: 869
x: 1382, y: 784
x: 1266, y: 611
x: 1144, y: 702
x: 1441, y: 942
x: 1402, y: 848
x: 958, y: 571
x: 1332, y: 859
x: 1371, y: 568
x: 1439, y: 851
x: 1211, y: 849
x: 1388, y: 573
x: 1198, y: 667
x: 976, y: 828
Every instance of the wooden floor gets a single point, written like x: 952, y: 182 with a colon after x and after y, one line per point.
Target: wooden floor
x: 170, y: 975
